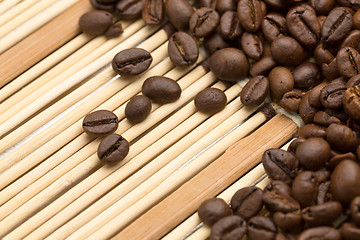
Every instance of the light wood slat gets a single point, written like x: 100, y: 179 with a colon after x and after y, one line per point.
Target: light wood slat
x: 42, y: 42
x: 5, y: 5
x: 15, y: 9
x: 235, y: 162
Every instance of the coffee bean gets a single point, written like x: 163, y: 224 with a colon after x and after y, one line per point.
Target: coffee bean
x: 278, y: 186
x: 303, y: 24
x: 208, y: 3
x: 354, y: 4
x: 229, y: 64
x: 230, y: 227
x: 250, y: 13
x: 109, y: 7
x: 348, y: 62
x: 252, y: 44
x: 338, y: 113
x: 153, y: 12
x: 284, y: 236
x: 331, y: 96
x: 95, y: 22
x: 210, y: 100
x: 323, y: 55
x: 204, y: 22
x: 290, y: 101
x: 294, y: 145
x: 114, y: 31
x: 260, y: 227
x: 230, y: 26
x: 287, y: 51
x: 349, y: 231
x: 225, y: 5
x: 356, y: 20
x: 352, y: 40
x: 138, y: 108
x: 322, y: 7
x: 212, y: 210
x: 179, y: 13
x: 322, y: 214
x: 273, y: 26
x: 263, y: 66
x: 161, y: 89
x: 324, y: 233
x: 215, y: 42
x: 342, y: 138
x: 131, y: 61
x: 351, y: 102
x: 335, y: 160
x: 281, y: 81
x: 337, y: 25
x: 275, y: 201
x: 112, y: 149
x: 354, y: 81
x: 311, y: 131
x: 280, y: 165
x: 323, y: 118
x: 307, y: 111
x: 313, y: 153
x: 247, y: 202
x: 330, y: 71
x: 307, y: 75
x: 305, y: 188
x: 324, y: 194
x: 129, y: 9
x: 255, y: 91
x: 100, y: 123
x: 182, y: 49
x: 355, y: 210
x: 289, y: 222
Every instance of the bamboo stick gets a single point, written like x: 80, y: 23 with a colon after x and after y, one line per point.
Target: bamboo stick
x: 42, y: 42
x: 5, y: 5
x: 15, y: 10
x: 210, y: 181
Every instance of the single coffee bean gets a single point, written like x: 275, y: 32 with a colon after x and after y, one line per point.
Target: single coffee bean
x: 247, y: 202
x: 138, y: 108
x: 153, y: 12
x: 287, y: 51
x: 323, y: 233
x: 356, y: 20
x: 322, y: 214
x: 100, y: 123
x: 112, y: 149
x: 225, y: 5
x: 131, y: 61
x: 294, y: 144
x: 210, y: 100
x: 273, y: 26
x: 303, y: 24
x: 230, y: 26
x: 311, y: 131
x: 307, y: 75
x: 345, y: 181
x: 291, y: 100
x: 275, y: 201
x: 161, y: 89
x: 324, y: 119
x: 250, y: 13
x: 331, y: 96
x: 252, y: 44
x: 278, y: 186
x: 305, y: 188
x: 323, y: 55
x: 313, y: 153
x: 182, y: 49
x: 179, y: 13
x: 229, y: 64
x: 342, y: 138
x: 307, y: 111
x: 280, y: 165
x: 208, y: 3
x: 230, y: 227
x: 352, y: 40
x: 289, y: 222
x: 335, y: 160
x: 349, y: 231
x: 263, y: 66
x: 95, y: 22
x: 114, y: 31
x: 260, y: 227
x: 337, y: 25
x: 330, y: 71
x: 129, y: 9
x: 354, y: 81
x: 355, y: 210
x: 215, y: 42
x: 322, y: 7
x: 203, y: 22
x: 109, y: 7
x: 255, y: 91
x: 351, y: 102
x: 324, y: 193
x: 212, y: 210
x: 348, y: 62
x: 281, y: 81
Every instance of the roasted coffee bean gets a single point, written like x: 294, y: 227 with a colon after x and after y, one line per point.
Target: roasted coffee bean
x: 291, y: 100
x: 311, y: 131
x: 215, y: 42
x: 182, y: 49
x: 294, y: 145
x: 356, y: 20
x: 322, y: 7
x: 161, y: 89
x: 355, y: 210
x: 349, y: 231
x: 338, y: 113
x: 313, y: 153
x: 106, y: 1
x: 179, y: 13
x: 275, y: 201
x: 352, y: 40
x: 324, y: 194
x: 307, y: 111
x: 100, y: 123
x: 138, y: 108
x: 247, y: 202
x: 230, y: 227
x: 307, y: 75
x: 335, y: 160
x: 322, y: 214
x: 277, y: 5
x: 252, y: 44
x: 230, y: 26
x: 131, y: 61
x: 351, y: 102
x: 281, y: 81
x: 322, y: 175
x: 337, y: 25
x: 225, y: 5
x: 284, y: 236
x: 358, y: 152
x: 305, y: 188
x: 112, y: 149
x: 354, y: 81
x: 260, y: 227
x: 250, y: 13
x: 321, y: 20
x: 342, y: 138
x: 109, y: 7
x: 288, y: 222
x: 263, y: 66
x: 323, y: 233
x: 273, y: 26
x: 129, y: 9
x: 331, y: 96
x: 348, y: 62
x: 330, y: 71
x: 95, y: 22
x: 280, y: 165
x: 345, y: 181
x: 323, y: 118
x: 303, y: 24
x: 354, y: 4
x: 210, y: 100
x: 153, y: 12
x: 287, y: 51
x: 203, y: 22
x: 229, y: 64
x: 212, y: 210
x: 208, y: 3
x: 114, y: 31
x: 323, y: 55
x: 255, y: 91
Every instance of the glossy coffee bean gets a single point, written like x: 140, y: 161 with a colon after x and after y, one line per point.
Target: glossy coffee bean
x: 351, y: 102
x: 215, y: 42
x: 153, y: 12
x: 290, y: 101
x: 355, y: 210
x: 250, y: 13
x: 322, y: 214
x: 348, y: 62
x: 112, y: 149
x: 324, y: 119
x: 349, y: 231
x: 100, y: 123
x: 337, y: 25
x: 225, y: 5
x: 203, y: 22
x: 273, y: 26
x: 252, y: 44
x: 247, y: 202
x: 324, y: 233
x: 288, y: 222
x: 230, y: 26
x: 179, y: 13
x: 307, y: 75
x: 161, y: 89
x: 95, y: 22
x: 311, y: 131
x: 229, y: 64
x: 323, y: 55
x: 260, y: 227
x: 281, y: 81
x: 313, y: 153
x: 263, y: 66
x: 114, y: 31
x: 212, y: 210
x: 342, y: 138
x: 131, y: 61
x: 275, y: 201
x: 322, y: 7
x: 294, y: 144
x: 287, y: 51
x: 138, y: 108
x: 278, y: 186
x: 230, y: 227
x: 332, y: 95
x: 129, y: 9
x: 307, y: 111
x: 305, y: 188
x: 280, y: 165
x: 210, y: 100
x: 255, y: 91
x: 182, y: 49
x: 352, y: 40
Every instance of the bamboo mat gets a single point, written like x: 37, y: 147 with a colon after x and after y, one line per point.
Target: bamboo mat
x: 52, y: 186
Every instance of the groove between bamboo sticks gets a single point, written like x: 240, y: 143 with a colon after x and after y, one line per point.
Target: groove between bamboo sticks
x: 5, y: 5
x: 15, y: 9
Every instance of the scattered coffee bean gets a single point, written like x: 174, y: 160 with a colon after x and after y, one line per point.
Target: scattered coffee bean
x: 212, y: 210
x: 161, y: 89
x: 291, y: 100
x: 208, y: 3
x: 322, y: 7
x: 95, y: 22
x: 294, y: 144
x: 210, y: 100
x: 342, y: 138
x: 281, y: 81
x: 230, y: 227
x: 327, y: 233
x: 355, y: 210
x: 100, y: 123
x: 275, y: 201
x: 225, y: 5
x: 351, y: 102
x: 289, y: 222
x: 250, y: 13
x: 273, y: 26
x: 215, y: 42
x: 230, y: 26
x: 153, y: 12
x: 307, y: 111
x: 114, y: 31
x: 179, y: 13
x: 323, y: 55
x: 278, y: 186
x: 307, y: 75
x: 287, y: 51
x: 356, y: 20
x: 262, y: 67
x: 348, y: 62
x: 113, y: 149
x: 138, y: 108
x: 260, y: 227
x: 247, y: 202
x: 255, y: 91
x: 349, y: 231
x: 313, y: 153
x: 204, y: 22
x: 129, y: 9
x: 331, y: 96
x: 322, y: 214
x: 131, y: 61
x: 311, y: 131
x: 182, y: 49
x: 352, y: 40
x: 305, y: 188
x: 337, y: 25
x: 109, y: 7
x: 252, y: 44
x: 335, y: 160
